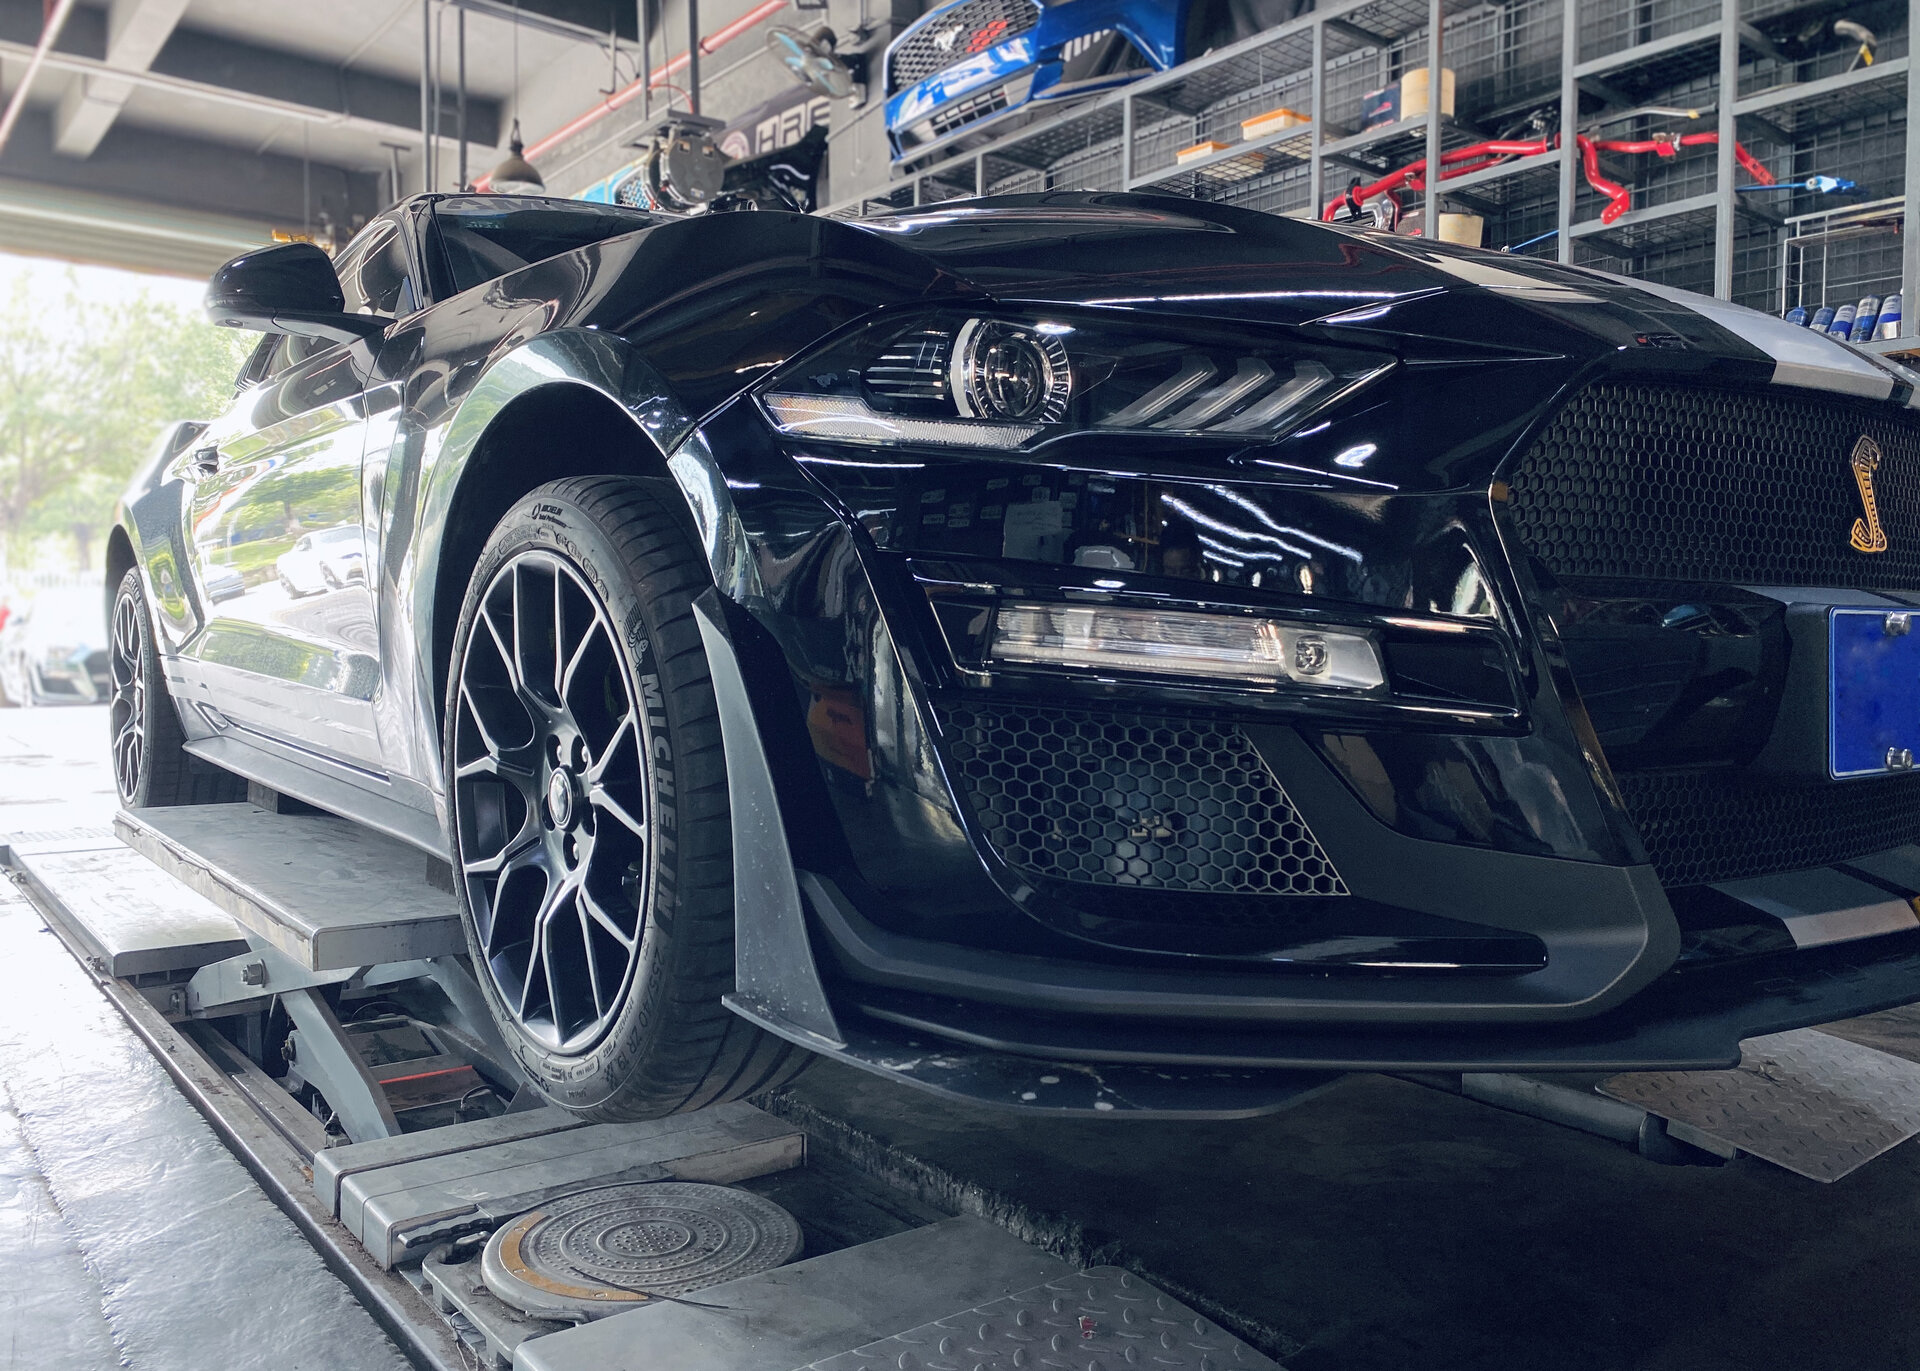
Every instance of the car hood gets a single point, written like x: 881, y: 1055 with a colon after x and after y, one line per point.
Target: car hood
x: 1182, y: 257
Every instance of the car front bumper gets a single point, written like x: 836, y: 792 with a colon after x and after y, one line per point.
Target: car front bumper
x: 1509, y: 898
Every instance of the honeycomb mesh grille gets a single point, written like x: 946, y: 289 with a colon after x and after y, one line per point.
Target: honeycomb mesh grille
x: 1680, y: 483
x: 1132, y: 800
x: 1709, y: 486
x: 1702, y: 826
x: 974, y: 27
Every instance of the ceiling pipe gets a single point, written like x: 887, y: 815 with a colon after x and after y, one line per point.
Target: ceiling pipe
x: 712, y: 43
x: 56, y: 19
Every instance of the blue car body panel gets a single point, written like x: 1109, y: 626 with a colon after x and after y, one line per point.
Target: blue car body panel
x: 1154, y: 27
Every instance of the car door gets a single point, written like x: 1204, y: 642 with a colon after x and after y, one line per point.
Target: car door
x: 292, y: 659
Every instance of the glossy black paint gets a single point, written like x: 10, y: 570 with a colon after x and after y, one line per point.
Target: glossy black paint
x: 1496, y: 877
x: 287, y: 288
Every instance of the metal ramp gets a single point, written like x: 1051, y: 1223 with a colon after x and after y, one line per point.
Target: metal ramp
x: 313, y: 915
x: 948, y: 1297
x: 325, y: 893
x: 1811, y: 1102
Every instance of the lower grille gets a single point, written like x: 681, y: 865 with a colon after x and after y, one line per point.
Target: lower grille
x: 1132, y: 800
x: 1704, y: 826
x: 968, y: 111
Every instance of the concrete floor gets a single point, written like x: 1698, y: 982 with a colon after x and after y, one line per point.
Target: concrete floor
x: 1380, y: 1225
x: 129, y: 1235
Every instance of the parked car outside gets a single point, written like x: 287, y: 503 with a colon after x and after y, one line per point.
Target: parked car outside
x: 324, y: 560
x: 53, y: 649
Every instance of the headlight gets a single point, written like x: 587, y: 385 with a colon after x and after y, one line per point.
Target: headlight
x: 1009, y: 382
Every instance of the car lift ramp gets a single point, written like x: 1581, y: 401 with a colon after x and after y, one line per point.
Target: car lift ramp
x: 309, y: 906
x: 326, y: 893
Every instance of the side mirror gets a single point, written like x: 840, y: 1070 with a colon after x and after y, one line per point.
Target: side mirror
x: 287, y: 288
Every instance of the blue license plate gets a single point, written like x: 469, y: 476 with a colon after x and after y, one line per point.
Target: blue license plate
x: 1874, y: 694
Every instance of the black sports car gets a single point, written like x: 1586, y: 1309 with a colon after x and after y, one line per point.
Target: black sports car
x: 1086, y: 651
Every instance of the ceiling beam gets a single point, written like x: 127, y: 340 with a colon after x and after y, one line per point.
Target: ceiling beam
x: 196, y: 65
x: 178, y: 172
x: 136, y: 31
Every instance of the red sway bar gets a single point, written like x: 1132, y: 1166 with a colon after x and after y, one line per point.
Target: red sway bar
x: 1478, y: 156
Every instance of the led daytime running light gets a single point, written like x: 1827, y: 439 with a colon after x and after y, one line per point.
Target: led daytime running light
x: 1216, y: 647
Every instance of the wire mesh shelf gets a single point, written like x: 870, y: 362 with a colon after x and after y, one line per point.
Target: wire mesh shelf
x: 1805, y: 108
x: 1836, y: 256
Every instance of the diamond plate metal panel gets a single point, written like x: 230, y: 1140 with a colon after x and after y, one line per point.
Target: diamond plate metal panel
x: 1103, y: 1319
x: 1818, y: 1105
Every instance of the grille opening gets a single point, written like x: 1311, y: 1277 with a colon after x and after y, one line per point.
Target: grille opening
x: 1721, y: 487
x: 962, y: 32
x: 1132, y: 800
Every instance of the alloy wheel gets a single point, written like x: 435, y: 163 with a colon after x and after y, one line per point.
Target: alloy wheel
x: 551, y: 803
x: 127, y: 706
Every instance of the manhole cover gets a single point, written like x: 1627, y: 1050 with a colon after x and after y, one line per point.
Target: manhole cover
x: 597, y: 1252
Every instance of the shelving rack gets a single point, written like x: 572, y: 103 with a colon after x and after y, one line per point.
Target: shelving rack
x: 1593, y: 62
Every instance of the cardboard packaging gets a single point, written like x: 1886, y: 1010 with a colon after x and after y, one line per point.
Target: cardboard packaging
x: 1406, y: 98
x: 1273, y: 121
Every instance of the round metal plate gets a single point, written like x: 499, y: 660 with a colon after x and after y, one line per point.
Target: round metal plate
x: 597, y: 1252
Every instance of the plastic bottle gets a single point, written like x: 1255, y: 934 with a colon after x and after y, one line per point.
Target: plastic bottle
x: 1864, y: 316
x: 1822, y: 319
x: 1842, y: 325
x: 1889, y: 325
x: 1797, y: 315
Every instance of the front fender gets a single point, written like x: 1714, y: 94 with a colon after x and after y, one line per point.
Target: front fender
x: 611, y: 369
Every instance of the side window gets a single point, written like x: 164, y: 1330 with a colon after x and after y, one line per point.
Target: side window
x: 377, y: 279
x: 290, y: 349
x: 259, y: 362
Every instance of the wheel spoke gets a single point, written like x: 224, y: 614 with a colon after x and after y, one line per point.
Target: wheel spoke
x: 602, y: 799
x: 509, y: 759
x: 597, y: 770
x: 507, y: 860
x: 494, y: 765
x: 559, y: 637
x: 535, y: 957
x: 594, y: 630
x: 591, y: 905
x: 507, y: 662
x: 593, y: 958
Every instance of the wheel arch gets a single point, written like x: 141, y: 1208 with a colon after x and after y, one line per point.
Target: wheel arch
x: 564, y: 404
x: 121, y: 558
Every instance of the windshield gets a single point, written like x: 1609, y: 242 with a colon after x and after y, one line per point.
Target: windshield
x: 486, y: 236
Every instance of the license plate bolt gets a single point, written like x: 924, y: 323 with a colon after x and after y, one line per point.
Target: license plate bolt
x: 1899, y: 624
x: 1899, y: 759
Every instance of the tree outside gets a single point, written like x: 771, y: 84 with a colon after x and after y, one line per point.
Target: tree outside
x: 88, y: 377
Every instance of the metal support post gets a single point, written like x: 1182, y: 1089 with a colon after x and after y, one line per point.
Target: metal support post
x: 1726, y: 168
x: 1126, y: 141
x: 393, y: 170
x: 693, y: 56
x: 1569, y: 129
x: 460, y: 41
x: 1436, y: 21
x: 646, y: 58
x: 1316, y: 131
x: 426, y: 94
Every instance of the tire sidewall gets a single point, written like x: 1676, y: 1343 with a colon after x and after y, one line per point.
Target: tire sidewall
x: 548, y: 521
